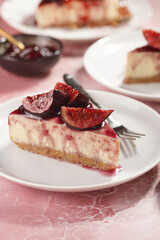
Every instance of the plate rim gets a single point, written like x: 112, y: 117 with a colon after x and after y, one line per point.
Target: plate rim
x: 91, y: 187
x: 129, y: 93
x: 110, y: 29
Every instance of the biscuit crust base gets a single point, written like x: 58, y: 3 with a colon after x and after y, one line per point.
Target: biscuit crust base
x: 68, y: 157
x: 129, y: 80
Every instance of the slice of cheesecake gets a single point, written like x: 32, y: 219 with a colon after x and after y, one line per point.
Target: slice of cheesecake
x: 78, y: 13
x: 74, y: 134
x: 143, y: 64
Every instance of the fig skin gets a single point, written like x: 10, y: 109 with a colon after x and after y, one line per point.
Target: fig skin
x: 80, y: 100
x: 44, y: 105
x: 84, y: 118
x: 76, y: 98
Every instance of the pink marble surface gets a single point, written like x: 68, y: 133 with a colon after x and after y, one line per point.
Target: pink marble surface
x: 129, y: 211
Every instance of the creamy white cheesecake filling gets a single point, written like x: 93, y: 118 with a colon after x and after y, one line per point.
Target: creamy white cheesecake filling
x: 51, y: 134
x: 76, y: 12
x: 142, y: 64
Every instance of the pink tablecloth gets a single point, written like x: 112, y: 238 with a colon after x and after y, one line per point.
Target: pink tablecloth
x: 130, y: 211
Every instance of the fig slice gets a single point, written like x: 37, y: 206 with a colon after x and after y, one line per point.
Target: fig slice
x: 76, y: 98
x: 44, y: 105
x: 79, y: 100
x: 152, y: 37
x: 84, y: 118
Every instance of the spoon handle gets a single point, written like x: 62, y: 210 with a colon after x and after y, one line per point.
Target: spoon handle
x: 12, y: 39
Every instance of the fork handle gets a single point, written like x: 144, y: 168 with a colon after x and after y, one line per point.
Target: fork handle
x: 70, y: 80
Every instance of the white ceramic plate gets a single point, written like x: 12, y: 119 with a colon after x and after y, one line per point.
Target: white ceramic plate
x: 105, y: 61
x: 19, y: 14
x: 49, y: 174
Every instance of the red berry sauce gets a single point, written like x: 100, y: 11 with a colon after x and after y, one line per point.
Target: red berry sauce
x: 109, y: 173
x: 146, y: 49
x: 30, y: 52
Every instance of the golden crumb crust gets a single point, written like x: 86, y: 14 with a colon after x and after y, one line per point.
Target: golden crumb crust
x: 155, y: 78
x: 68, y: 157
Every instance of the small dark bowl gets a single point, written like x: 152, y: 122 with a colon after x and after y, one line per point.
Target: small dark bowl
x: 31, y: 67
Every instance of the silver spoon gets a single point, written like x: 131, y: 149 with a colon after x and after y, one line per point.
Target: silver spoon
x: 12, y: 40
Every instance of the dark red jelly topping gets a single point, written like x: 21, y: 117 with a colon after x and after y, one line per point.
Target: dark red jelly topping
x: 145, y: 49
x: 30, y: 52
x: 19, y: 111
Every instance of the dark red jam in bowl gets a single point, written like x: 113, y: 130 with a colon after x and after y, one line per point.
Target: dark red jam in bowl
x: 30, y: 52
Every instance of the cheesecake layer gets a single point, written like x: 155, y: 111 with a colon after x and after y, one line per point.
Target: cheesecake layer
x: 143, y: 65
x: 94, y: 148
x: 77, y: 13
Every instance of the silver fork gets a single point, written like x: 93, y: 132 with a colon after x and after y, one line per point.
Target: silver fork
x: 121, y: 130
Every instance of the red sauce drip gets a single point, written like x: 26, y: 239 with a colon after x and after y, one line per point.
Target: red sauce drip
x: 45, y: 132
x: 59, y: 120
x: 30, y: 52
x: 110, y: 133
x: 109, y: 173
x: 19, y: 111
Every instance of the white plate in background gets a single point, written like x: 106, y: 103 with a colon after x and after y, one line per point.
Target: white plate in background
x: 105, y: 60
x: 15, y: 13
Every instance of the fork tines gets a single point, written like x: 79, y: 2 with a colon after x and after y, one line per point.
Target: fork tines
x: 129, y: 134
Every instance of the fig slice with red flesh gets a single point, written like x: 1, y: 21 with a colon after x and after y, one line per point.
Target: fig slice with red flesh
x: 76, y: 98
x: 84, y: 118
x: 152, y: 37
x: 44, y: 105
